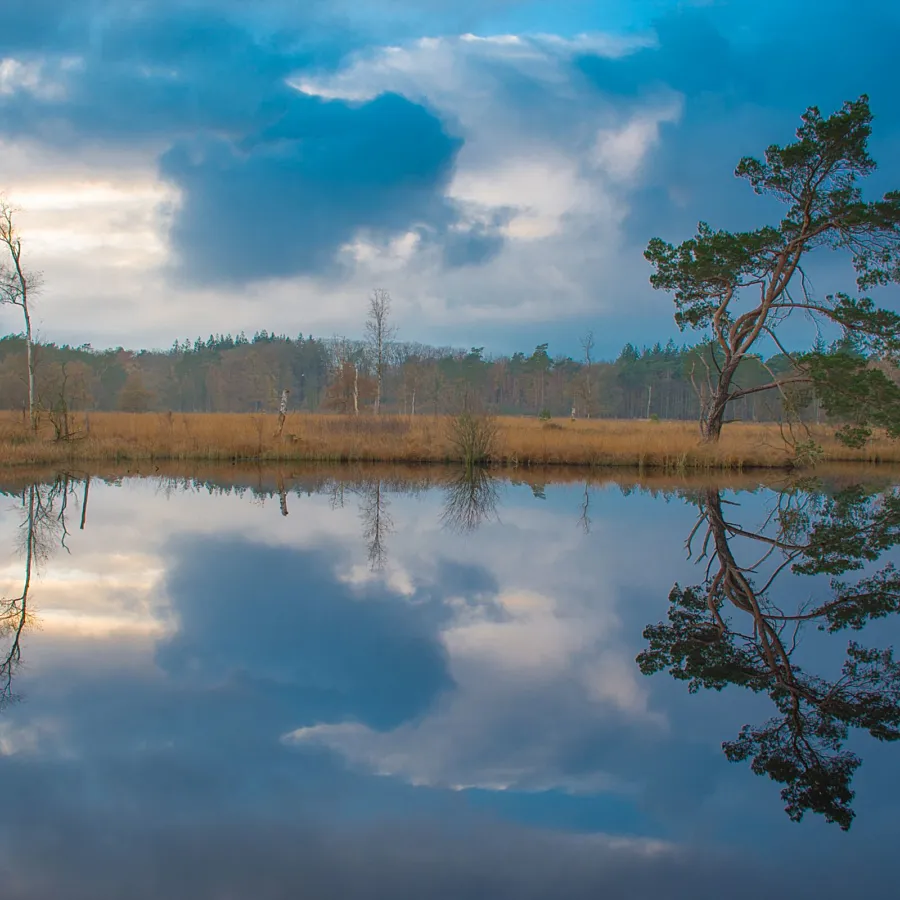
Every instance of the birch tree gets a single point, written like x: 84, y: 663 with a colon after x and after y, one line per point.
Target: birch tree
x: 16, y: 287
x: 379, y: 333
x: 587, y: 345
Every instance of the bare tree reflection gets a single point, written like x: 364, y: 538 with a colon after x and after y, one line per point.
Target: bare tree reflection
x: 43, y: 527
x: 377, y: 522
x: 14, y: 610
x: 470, y: 498
x: 806, y: 533
x: 585, y: 517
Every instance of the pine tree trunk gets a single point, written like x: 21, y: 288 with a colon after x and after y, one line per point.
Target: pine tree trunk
x: 712, y: 417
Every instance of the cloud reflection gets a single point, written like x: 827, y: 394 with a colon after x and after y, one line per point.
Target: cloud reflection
x: 468, y: 720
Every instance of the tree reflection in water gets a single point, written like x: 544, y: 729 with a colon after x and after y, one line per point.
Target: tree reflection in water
x: 42, y: 529
x: 739, y: 627
x: 376, y: 520
x: 731, y: 630
x: 471, y: 497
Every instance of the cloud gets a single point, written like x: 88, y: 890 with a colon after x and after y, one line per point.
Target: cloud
x: 271, y: 182
x: 404, y: 859
x: 499, y: 178
x: 520, y: 646
x: 540, y: 184
x: 329, y: 187
x: 285, y: 201
x: 340, y: 655
x: 162, y: 773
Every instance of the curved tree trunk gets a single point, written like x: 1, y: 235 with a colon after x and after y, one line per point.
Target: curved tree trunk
x: 712, y: 415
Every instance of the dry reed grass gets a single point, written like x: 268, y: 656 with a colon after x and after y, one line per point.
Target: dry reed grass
x: 155, y: 437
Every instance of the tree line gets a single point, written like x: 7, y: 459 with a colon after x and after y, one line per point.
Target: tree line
x: 247, y: 374
x: 737, y: 289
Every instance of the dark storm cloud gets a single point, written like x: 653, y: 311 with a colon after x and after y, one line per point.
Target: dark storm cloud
x: 272, y: 182
x: 284, y: 201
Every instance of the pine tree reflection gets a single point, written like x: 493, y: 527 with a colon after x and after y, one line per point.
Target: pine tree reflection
x: 730, y: 630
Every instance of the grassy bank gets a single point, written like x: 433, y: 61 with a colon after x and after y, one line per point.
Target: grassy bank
x: 671, y: 446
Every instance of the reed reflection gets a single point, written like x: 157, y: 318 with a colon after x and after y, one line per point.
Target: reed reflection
x: 742, y: 626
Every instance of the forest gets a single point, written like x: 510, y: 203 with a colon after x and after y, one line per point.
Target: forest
x: 248, y: 374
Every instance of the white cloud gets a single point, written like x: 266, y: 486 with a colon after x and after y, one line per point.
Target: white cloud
x: 621, y: 152
x: 31, y: 738
x: 536, y: 649
x: 558, y: 177
x: 541, y: 657
x: 553, y: 176
x: 30, y: 77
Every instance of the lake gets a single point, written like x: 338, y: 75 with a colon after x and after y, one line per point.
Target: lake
x: 375, y: 683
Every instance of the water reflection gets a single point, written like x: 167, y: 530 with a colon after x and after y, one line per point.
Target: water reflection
x: 42, y: 529
x: 420, y: 683
x: 376, y: 520
x: 471, y: 498
x: 737, y: 629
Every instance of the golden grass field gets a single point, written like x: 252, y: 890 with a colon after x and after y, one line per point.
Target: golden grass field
x: 219, y: 437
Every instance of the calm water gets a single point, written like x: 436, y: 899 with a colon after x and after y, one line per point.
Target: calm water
x: 399, y: 690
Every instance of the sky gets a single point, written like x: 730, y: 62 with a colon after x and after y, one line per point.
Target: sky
x: 187, y: 168
x: 218, y: 700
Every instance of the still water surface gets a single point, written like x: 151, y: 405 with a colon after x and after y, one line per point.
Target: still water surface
x: 365, y: 686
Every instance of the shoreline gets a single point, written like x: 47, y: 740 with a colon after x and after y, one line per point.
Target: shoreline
x: 271, y: 478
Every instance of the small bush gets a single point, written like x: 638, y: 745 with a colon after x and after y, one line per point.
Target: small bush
x: 473, y: 436
x: 544, y: 415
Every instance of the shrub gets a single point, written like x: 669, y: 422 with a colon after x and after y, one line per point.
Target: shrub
x: 473, y: 436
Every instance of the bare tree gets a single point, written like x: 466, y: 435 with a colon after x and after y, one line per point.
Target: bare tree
x: 16, y: 286
x: 282, y: 410
x: 379, y: 333
x: 14, y: 610
x: 587, y: 345
x: 344, y: 365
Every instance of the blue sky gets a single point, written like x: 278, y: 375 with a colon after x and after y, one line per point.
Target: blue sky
x: 499, y: 166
